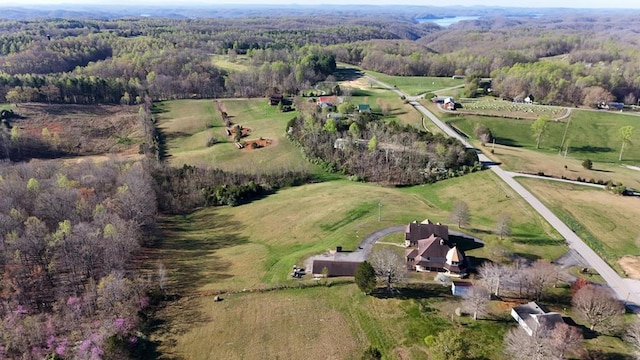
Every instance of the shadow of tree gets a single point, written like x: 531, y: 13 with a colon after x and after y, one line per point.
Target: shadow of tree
x: 507, y: 142
x: 414, y: 291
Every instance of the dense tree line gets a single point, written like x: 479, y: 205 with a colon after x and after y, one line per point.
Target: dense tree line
x: 124, y: 60
x: 184, y: 189
x: 68, y: 288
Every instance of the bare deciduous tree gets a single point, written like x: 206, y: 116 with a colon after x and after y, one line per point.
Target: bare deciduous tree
x: 476, y: 300
x: 492, y: 274
x: 460, y: 214
x: 598, y: 306
x: 544, y: 343
x: 632, y: 336
x: 503, y: 227
x: 390, y: 267
x: 541, y: 276
x: 518, y: 345
x: 567, y: 339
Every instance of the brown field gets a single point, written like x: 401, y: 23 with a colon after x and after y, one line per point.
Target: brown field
x: 82, y: 129
x: 611, y: 219
x: 631, y: 266
x: 276, y: 325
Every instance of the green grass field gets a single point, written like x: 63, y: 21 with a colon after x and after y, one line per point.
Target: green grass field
x: 224, y: 62
x: 253, y: 247
x: 208, y: 250
x: 416, y: 85
x: 187, y: 126
x: 590, y: 134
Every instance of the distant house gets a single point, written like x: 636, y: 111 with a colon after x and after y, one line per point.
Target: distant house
x: 364, y: 108
x: 429, y: 249
x: 534, y: 317
x: 327, y: 101
x: 335, y: 267
x: 461, y: 288
x: 449, y: 103
x: 275, y: 99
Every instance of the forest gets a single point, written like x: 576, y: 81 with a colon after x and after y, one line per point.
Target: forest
x: 71, y: 234
x: 570, y: 60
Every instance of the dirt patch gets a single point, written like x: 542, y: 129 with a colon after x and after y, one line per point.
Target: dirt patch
x: 259, y: 143
x: 244, y: 132
x: 81, y: 129
x: 631, y: 266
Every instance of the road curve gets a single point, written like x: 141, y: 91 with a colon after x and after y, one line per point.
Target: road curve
x: 627, y: 290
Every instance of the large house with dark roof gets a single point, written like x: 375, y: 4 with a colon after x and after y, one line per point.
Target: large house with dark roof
x: 429, y: 249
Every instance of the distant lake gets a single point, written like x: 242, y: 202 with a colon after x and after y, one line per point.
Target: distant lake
x: 445, y: 22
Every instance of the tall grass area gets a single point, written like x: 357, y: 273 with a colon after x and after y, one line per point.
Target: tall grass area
x: 336, y: 322
x: 188, y: 124
x: 605, y: 221
x: 590, y: 134
x: 416, y: 85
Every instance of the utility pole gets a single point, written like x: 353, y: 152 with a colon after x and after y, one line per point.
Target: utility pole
x: 379, y: 210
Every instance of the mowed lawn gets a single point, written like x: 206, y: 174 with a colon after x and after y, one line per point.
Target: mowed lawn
x: 590, y: 134
x: 188, y: 124
x: 416, y: 85
x: 607, y: 220
x: 529, y: 161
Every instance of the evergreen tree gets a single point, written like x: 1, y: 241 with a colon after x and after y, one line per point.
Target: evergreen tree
x: 365, y: 277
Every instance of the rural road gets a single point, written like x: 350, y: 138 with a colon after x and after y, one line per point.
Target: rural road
x: 627, y: 290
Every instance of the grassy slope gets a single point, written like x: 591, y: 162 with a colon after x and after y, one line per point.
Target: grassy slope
x: 208, y: 250
x: 591, y: 134
x: 185, y: 125
x: 225, y: 63
x: 614, y: 229
x: 415, y: 85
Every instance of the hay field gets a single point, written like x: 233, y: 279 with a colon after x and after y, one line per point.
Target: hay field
x: 528, y: 161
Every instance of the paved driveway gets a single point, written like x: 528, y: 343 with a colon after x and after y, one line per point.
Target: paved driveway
x: 361, y: 253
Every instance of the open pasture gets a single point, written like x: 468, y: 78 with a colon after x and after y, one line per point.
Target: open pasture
x: 416, y: 85
x: 589, y: 134
x: 231, y: 64
x: 255, y: 245
x: 189, y: 124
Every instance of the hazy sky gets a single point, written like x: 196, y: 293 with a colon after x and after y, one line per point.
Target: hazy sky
x: 624, y: 4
